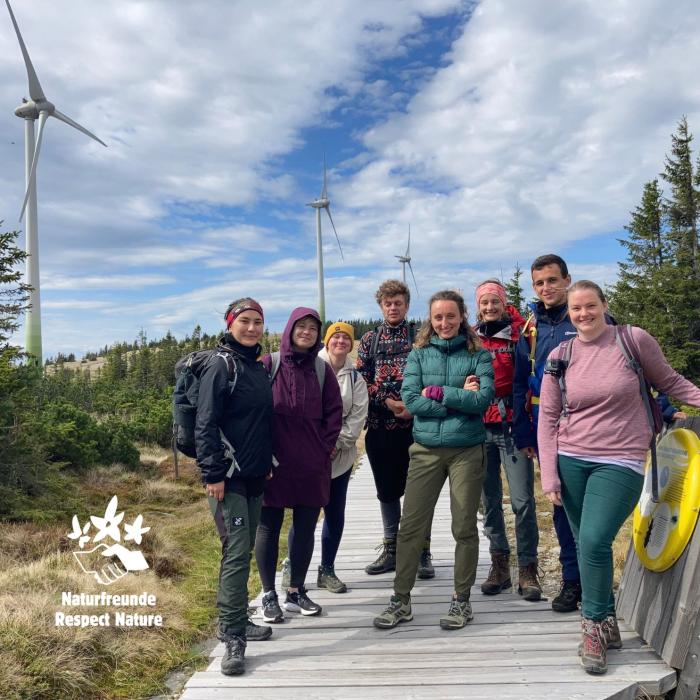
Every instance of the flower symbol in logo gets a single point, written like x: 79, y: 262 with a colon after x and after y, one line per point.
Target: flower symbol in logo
x: 109, y: 563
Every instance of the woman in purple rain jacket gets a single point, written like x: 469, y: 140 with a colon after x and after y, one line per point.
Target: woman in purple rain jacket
x: 307, y: 422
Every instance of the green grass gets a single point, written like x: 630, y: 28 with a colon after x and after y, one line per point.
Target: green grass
x: 41, y: 661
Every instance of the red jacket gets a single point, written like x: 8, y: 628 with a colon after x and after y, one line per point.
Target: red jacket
x: 501, y: 345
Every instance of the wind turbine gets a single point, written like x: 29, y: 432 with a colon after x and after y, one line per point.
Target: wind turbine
x: 406, y: 259
x: 323, y: 203
x: 38, y: 107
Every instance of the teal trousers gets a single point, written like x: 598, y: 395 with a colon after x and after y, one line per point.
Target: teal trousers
x: 597, y: 498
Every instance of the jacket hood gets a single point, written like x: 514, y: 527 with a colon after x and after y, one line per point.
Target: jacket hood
x: 347, y: 367
x: 286, y: 348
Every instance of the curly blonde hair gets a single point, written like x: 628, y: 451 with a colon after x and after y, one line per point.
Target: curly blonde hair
x: 392, y: 288
x: 426, y: 331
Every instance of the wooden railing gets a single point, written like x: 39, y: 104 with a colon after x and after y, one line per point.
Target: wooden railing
x: 663, y: 608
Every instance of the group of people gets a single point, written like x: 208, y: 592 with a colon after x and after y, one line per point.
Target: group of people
x: 446, y: 401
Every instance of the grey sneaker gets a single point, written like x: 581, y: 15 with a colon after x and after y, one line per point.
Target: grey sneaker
x: 328, y: 580
x: 458, y: 615
x: 233, y: 661
x: 286, y: 574
x: 426, y: 568
x: 396, y: 612
x: 271, y: 611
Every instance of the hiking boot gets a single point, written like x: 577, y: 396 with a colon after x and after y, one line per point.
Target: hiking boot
x: 499, y: 575
x: 328, y: 580
x: 426, y: 568
x: 301, y: 603
x: 458, y: 615
x: 271, y: 611
x: 528, y: 583
x: 593, y: 647
x: 611, y: 633
x: 233, y: 661
x: 257, y: 633
x: 286, y: 581
x: 386, y: 561
x: 569, y: 597
x: 396, y: 612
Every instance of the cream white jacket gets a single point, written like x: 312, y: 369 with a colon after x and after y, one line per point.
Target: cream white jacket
x: 353, y: 390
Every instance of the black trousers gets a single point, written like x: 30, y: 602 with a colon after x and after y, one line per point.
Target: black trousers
x: 301, y: 544
x: 387, y: 451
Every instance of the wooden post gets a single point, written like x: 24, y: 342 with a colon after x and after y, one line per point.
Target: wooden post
x: 689, y: 677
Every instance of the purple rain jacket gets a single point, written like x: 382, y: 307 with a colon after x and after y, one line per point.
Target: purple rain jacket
x: 306, y: 424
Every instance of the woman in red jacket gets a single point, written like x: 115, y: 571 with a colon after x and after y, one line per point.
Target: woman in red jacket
x: 498, y: 327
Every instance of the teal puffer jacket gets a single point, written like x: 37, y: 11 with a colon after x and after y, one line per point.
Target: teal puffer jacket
x: 456, y: 421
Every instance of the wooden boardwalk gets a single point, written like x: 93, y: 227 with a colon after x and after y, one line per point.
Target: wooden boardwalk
x: 512, y: 648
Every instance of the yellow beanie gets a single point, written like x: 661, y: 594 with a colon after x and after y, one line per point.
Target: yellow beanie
x: 339, y: 327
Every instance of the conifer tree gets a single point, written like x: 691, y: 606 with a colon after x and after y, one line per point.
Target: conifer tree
x: 514, y: 290
x: 682, y: 206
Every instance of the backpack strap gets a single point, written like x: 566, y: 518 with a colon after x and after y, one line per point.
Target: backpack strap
x: 320, y: 367
x: 530, y: 333
x: 629, y: 350
x: 375, y: 343
x: 275, y: 360
x: 566, y: 359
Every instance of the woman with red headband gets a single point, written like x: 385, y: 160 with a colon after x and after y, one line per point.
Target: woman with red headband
x: 233, y: 435
x: 498, y: 328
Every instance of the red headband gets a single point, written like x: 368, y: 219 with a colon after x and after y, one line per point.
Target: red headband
x: 491, y: 288
x: 244, y: 306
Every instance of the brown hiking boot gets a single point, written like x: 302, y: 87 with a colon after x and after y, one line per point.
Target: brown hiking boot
x: 611, y: 634
x: 593, y: 646
x: 499, y: 575
x: 528, y: 583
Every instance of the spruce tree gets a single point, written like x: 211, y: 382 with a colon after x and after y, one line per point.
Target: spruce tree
x: 514, y: 290
x: 682, y: 206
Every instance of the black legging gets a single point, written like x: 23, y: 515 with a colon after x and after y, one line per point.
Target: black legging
x: 301, y: 545
x: 334, y: 519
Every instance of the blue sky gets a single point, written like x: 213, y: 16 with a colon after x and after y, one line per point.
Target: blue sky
x: 497, y: 130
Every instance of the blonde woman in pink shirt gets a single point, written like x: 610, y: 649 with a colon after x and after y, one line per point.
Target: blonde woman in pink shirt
x: 592, y: 455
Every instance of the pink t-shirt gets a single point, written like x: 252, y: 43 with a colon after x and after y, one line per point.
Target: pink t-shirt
x: 607, y: 419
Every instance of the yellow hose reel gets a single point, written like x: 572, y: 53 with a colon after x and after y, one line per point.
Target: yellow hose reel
x: 662, y: 530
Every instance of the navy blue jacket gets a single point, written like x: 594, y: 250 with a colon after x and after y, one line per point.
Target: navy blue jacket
x: 551, y: 330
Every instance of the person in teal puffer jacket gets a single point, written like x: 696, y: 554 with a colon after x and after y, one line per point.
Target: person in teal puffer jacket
x: 448, y: 385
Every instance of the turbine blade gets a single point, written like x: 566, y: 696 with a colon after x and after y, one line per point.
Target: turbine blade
x: 67, y: 120
x: 324, y: 191
x: 410, y: 267
x: 43, y: 116
x: 35, y: 91
x: 408, y: 247
x: 328, y: 211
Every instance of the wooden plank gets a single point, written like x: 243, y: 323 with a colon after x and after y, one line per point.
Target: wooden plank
x: 582, y: 690
x: 512, y: 648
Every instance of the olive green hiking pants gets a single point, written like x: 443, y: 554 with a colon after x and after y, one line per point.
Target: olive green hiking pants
x: 427, y: 472
x: 236, y: 519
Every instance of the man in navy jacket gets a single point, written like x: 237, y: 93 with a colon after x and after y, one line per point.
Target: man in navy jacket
x: 548, y: 326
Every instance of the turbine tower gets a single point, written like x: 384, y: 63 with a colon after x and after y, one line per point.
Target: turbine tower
x: 323, y: 203
x: 406, y: 259
x: 38, y: 107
